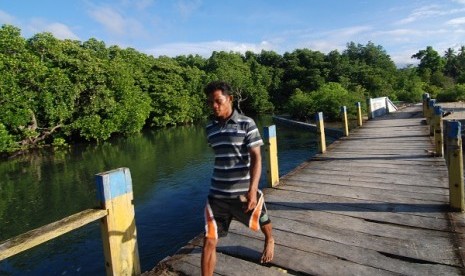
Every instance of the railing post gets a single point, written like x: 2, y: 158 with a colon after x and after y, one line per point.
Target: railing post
x: 445, y: 132
x: 386, y: 104
x: 345, y: 123
x: 430, y: 111
x: 321, y: 131
x: 359, y: 114
x: 455, y: 166
x: 437, y: 122
x: 370, y: 109
x: 432, y: 103
x: 271, y: 149
x: 425, y: 103
x: 119, y: 235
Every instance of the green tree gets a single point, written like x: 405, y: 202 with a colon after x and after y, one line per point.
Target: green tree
x: 430, y: 62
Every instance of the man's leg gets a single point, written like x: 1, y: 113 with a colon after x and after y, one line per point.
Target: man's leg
x: 268, y: 250
x: 208, y: 256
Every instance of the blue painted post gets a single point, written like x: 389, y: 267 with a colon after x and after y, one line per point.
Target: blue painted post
x: 438, y: 139
x: 359, y: 114
x: 455, y: 167
x: 345, y: 123
x: 271, y: 149
x: 321, y: 131
x: 119, y: 235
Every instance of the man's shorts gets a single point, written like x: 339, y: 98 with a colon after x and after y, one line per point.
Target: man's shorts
x: 220, y: 211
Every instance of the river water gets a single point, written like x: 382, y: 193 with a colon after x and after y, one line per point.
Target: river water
x: 170, y: 170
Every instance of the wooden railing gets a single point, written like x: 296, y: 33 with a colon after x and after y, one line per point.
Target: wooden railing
x: 271, y: 150
x: 448, y: 143
x: 116, y: 215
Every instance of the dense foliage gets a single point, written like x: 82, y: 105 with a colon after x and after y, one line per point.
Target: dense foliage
x: 53, y: 91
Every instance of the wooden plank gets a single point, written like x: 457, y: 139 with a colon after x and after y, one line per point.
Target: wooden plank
x: 372, y: 194
x: 368, y: 183
x: 298, y: 260
x: 50, y: 231
x: 302, y: 239
x: 383, y: 213
x: 352, y: 223
x: 379, y: 177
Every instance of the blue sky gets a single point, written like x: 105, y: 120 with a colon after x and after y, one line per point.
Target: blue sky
x: 177, y: 27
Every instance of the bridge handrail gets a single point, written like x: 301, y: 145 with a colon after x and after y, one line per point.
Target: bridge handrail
x: 48, y: 232
x: 118, y: 227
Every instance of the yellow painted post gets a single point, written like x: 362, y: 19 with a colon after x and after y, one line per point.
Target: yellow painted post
x: 119, y: 235
x: 437, y: 122
x: 271, y: 149
x: 425, y: 103
x: 321, y: 131
x: 345, y: 123
x: 455, y: 166
x: 359, y: 114
x: 431, y: 105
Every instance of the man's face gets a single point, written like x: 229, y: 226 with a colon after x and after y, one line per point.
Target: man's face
x: 220, y: 104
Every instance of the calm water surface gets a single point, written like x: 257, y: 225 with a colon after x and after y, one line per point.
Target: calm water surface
x: 170, y: 170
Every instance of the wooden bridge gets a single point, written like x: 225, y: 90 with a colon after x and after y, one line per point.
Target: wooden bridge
x: 376, y: 203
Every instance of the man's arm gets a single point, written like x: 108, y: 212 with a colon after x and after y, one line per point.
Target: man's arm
x: 255, y: 172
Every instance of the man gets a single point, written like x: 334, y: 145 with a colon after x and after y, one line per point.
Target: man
x: 234, y: 185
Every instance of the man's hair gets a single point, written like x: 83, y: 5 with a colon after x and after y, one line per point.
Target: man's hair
x: 218, y: 85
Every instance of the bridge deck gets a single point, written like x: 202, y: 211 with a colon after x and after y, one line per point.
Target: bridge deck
x: 375, y: 204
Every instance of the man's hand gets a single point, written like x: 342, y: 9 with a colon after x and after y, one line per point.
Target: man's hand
x: 251, y: 200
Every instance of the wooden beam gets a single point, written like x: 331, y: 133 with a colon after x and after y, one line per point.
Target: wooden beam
x: 321, y: 132
x: 271, y: 149
x: 119, y: 233
x: 359, y: 114
x: 50, y: 231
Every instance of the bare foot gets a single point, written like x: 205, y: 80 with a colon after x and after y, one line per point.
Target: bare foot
x: 268, y: 251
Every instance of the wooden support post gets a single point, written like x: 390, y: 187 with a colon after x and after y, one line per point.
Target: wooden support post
x: 271, y: 149
x: 455, y: 166
x: 345, y: 123
x: 430, y: 110
x: 321, y: 131
x: 431, y: 104
x: 119, y: 233
x: 437, y: 122
x: 445, y: 132
x: 359, y: 114
x: 386, y: 104
x: 371, y: 115
x: 425, y: 103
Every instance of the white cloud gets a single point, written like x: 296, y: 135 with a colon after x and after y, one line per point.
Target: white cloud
x: 421, y: 13
x: 460, y: 1
x: 6, y: 18
x: 206, y: 48
x: 60, y: 31
x: 110, y: 19
x: 116, y: 23
x: 456, y: 21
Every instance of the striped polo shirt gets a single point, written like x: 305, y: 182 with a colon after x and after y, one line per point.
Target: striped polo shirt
x: 231, y: 142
